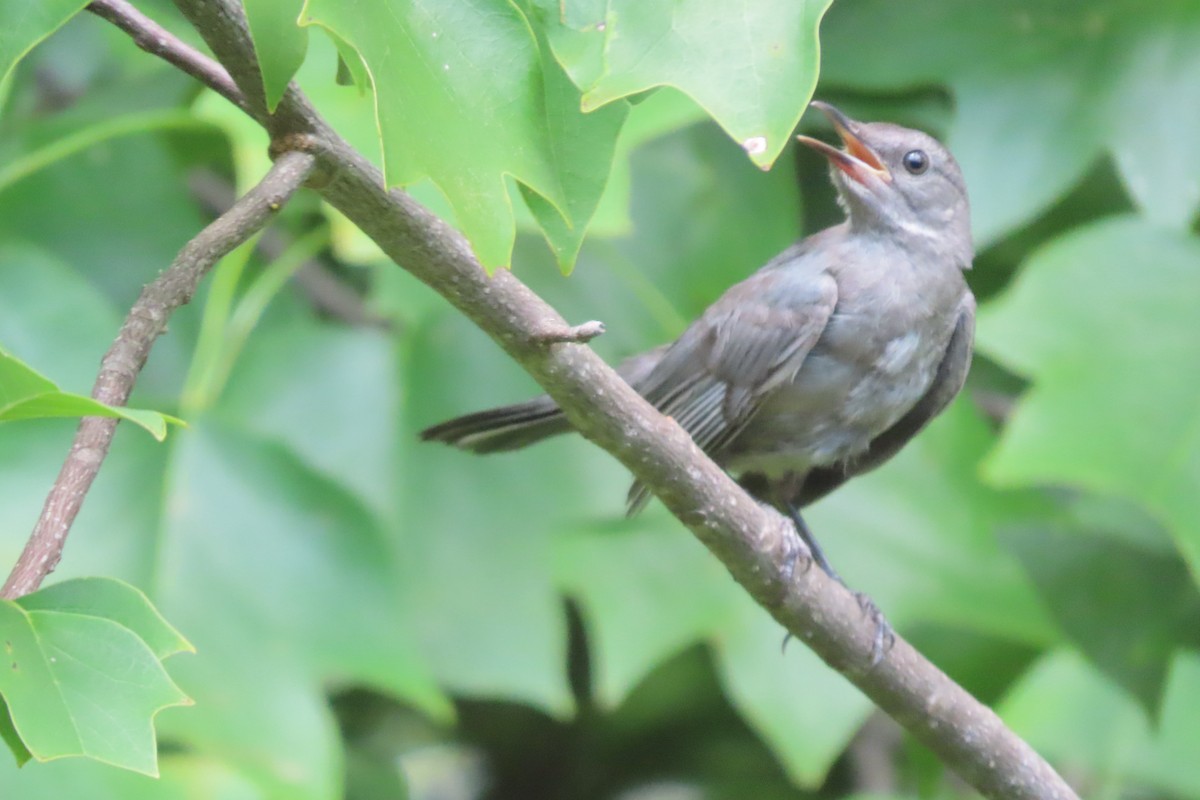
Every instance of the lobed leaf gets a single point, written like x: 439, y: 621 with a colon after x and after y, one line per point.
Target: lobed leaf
x: 463, y: 97
x: 1101, y: 321
x: 751, y: 64
x: 80, y: 680
x: 279, y: 43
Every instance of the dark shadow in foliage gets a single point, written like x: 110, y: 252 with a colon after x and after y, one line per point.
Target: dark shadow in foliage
x: 676, y: 729
x: 1126, y: 607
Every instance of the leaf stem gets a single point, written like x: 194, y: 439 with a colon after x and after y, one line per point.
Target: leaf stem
x: 140, y: 122
x: 232, y: 330
x: 157, y: 40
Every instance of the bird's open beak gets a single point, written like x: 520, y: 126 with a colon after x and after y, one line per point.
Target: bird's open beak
x: 858, y: 160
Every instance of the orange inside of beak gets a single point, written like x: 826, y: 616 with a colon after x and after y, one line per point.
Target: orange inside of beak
x: 857, y: 160
x: 856, y: 148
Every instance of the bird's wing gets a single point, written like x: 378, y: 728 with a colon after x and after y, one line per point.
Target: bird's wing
x: 947, y: 382
x: 751, y: 341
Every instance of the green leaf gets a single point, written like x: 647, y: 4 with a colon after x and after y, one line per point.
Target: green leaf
x: 330, y: 562
x: 27, y: 22
x: 10, y: 736
x: 54, y: 150
x: 50, y: 313
x: 82, y: 682
x: 491, y: 580
x: 627, y: 581
x: 279, y: 43
x: 18, y: 382
x: 25, y: 394
x: 373, y: 777
x: 1132, y: 628
x: 1170, y: 765
x: 351, y: 71
x: 191, y: 775
x: 58, y: 213
x: 801, y: 707
x: 1053, y: 83
x: 1102, y: 322
x: 579, y: 140
x: 113, y: 600
x: 751, y: 64
x: 326, y: 609
x: 1071, y: 714
x: 344, y: 429
x: 462, y: 98
x: 659, y: 113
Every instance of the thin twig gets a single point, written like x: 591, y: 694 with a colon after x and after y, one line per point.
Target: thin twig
x: 746, y: 537
x: 157, y: 40
x: 575, y: 334
x: 330, y: 296
x: 124, y: 360
x: 872, y: 756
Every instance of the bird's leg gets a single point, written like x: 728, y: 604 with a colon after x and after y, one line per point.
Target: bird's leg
x: 885, y: 637
x: 806, y: 535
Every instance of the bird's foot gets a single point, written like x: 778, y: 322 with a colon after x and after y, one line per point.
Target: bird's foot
x: 793, y: 554
x: 885, y: 636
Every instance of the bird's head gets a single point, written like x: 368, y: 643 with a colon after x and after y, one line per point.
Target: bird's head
x: 898, y: 182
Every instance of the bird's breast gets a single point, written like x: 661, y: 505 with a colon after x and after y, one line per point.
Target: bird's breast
x: 876, y: 358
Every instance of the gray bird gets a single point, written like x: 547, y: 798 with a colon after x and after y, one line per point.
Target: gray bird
x: 829, y: 359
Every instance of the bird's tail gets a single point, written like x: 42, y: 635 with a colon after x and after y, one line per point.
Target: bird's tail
x: 499, y: 429
x: 513, y: 427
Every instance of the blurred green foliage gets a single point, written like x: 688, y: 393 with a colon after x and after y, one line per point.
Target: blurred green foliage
x: 374, y: 617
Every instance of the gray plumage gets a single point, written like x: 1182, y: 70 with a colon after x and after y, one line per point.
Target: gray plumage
x: 828, y: 360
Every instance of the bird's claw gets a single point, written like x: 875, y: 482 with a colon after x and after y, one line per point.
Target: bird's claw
x: 787, y: 572
x: 793, y: 554
x: 885, y: 636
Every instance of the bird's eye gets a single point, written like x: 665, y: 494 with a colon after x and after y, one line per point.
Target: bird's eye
x: 916, y: 161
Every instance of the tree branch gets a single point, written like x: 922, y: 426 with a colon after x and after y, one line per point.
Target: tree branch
x: 327, y: 294
x: 745, y: 536
x: 119, y: 369
x: 157, y: 40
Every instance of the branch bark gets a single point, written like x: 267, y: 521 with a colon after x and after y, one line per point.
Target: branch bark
x: 119, y: 369
x: 157, y: 40
x: 327, y: 294
x: 746, y: 537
